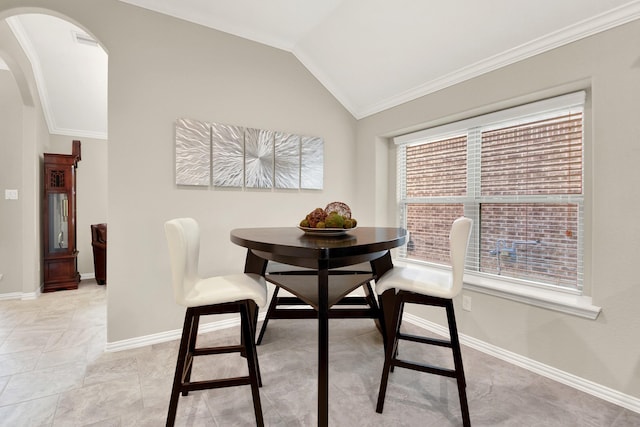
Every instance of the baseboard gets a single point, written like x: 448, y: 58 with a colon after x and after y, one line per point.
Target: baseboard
x: 605, y: 393
x: 19, y: 295
x: 87, y: 276
x: 589, y: 387
x: 172, y: 335
x: 11, y: 295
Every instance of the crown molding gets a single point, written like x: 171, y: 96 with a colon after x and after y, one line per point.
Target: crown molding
x: 30, y: 52
x: 588, y: 27
x: 79, y: 133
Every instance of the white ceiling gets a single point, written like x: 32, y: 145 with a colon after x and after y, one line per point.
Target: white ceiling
x: 71, y: 76
x: 375, y: 54
x: 370, y: 54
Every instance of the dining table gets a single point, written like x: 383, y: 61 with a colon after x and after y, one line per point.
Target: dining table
x: 323, y: 253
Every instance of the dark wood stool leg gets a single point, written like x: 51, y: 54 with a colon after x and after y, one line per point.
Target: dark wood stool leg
x: 180, y: 366
x: 457, y: 360
x: 270, y: 310
x: 252, y: 361
x: 392, y: 329
x: 253, y: 315
x: 386, y: 303
x: 193, y: 337
x: 400, y: 312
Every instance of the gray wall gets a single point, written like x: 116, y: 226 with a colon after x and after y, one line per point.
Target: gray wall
x: 161, y: 69
x: 607, y: 65
x: 23, y: 138
x: 10, y: 178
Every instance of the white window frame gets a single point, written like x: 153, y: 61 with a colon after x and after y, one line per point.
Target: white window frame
x: 567, y: 300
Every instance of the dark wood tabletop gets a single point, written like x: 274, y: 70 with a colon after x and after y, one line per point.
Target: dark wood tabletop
x: 321, y: 253
x: 291, y: 245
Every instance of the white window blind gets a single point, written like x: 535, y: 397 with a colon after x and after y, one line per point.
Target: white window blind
x: 518, y: 173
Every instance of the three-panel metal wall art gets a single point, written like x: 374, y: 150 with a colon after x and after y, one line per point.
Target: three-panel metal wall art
x: 221, y: 155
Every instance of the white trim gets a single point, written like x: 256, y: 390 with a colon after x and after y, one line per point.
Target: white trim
x: 589, y: 387
x: 172, y: 335
x: 31, y: 295
x: 19, y: 295
x: 80, y: 133
x: 598, y: 390
x: 557, y: 300
x: 568, y: 301
x: 87, y: 276
x: 18, y: 31
x: 10, y: 296
x: 34, y: 295
x: 610, y: 19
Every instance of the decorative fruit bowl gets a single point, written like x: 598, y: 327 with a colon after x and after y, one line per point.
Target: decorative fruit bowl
x: 335, y: 219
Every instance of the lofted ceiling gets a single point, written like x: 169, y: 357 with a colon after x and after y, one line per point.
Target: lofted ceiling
x: 70, y: 69
x: 370, y: 54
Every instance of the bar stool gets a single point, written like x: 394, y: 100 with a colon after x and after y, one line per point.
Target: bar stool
x: 237, y: 293
x: 412, y: 285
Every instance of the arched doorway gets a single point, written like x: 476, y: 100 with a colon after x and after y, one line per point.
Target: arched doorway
x: 43, y: 126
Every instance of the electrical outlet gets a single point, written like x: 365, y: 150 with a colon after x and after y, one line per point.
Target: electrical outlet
x: 11, y: 194
x: 466, y: 302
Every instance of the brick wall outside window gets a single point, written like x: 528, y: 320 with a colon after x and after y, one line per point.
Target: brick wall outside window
x: 536, y: 239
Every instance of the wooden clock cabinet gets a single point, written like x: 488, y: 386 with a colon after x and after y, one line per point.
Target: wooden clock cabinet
x: 59, y: 220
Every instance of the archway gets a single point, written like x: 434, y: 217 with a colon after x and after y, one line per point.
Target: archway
x: 36, y: 138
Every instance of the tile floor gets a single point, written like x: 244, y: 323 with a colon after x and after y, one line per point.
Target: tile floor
x: 54, y: 372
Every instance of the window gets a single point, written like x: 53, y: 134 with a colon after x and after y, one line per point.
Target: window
x: 518, y: 173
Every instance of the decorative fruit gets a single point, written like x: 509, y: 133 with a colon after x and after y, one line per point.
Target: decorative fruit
x: 335, y: 215
x: 334, y: 220
x: 316, y: 216
x: 339, y: 207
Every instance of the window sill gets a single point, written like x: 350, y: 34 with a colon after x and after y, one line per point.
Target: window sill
x: 576, y: 305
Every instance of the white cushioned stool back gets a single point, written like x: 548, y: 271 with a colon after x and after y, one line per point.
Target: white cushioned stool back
x: 183, y: 238
x: 458, y: 243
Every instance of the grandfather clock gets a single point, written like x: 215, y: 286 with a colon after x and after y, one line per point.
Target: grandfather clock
x: 59, y: 222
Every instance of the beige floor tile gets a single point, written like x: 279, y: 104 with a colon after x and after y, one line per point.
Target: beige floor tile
x: 54, y: 372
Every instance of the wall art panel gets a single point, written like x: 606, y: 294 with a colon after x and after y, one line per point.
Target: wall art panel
x: 287, y: 160
x: 193, y: 152
x: 234, y: 156
x: 227, y: 155
x: 258, y: 158
x: 311, y: 162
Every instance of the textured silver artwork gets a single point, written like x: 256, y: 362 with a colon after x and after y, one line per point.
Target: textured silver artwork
x: 311, y: 162
x: 227, y: 155
x: 258, y: 158
x: 193, y: 152
x: 287, y: 158
x: 233, y: 156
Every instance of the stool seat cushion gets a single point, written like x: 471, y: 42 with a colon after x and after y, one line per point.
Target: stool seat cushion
x: 191, y: 290
x: 228, y: 288
x: 418, y: 280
